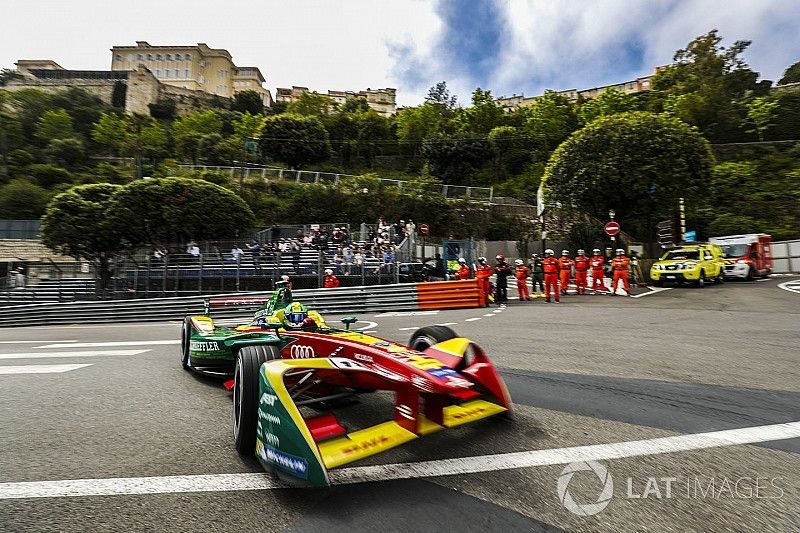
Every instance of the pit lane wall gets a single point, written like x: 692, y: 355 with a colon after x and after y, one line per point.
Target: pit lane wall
x: 403, y: 297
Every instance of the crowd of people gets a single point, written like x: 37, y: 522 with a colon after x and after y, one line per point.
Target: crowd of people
x: 549, y: 276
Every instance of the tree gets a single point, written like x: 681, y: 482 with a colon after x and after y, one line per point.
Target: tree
x: 439, y: 95
x: 248, y: 102
x: 295, y: 140
x: 512, y: 148
x: 791, y: 75
x: 78, y: 223
x: 761, y: 113
x: 550, y: 120
x: 188, y: 130
x: 352, y: 105
x: 609, y: 102
x: 178, y: 209
x: 68, y: 152
x: 453, y: 158
x: 48, y: 176
x: 29, y: 105
x: 311, y: 105
x: 483, y: 116
x: 704, y: 85
x: 111, y: 133
x: 636, y: 163
x: 21, y: 199
x: 54, y: 124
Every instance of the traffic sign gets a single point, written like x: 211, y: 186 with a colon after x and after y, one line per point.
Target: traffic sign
x: 612, y: 228
x: 424, y: 229
x: 689, y: 236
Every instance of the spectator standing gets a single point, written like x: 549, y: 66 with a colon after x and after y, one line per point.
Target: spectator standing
x: 537, y: 275
x: 463, y: 271
x: 597, y: 264
x: 411, y: 228
x: 550, y: 268
x: 621, y: 264
x: 440, y: 270
x: 502, y: 270
x: 255, y: 251
x: 521, y: 273
x: 295, y: 251
x: 330, y: 281
x: 160, y: 253
x: 348, y: 257
x: 565, y: 264
x: 193, y: 250
x: 388, y: 259
x: 274, y: 234
x: 236, y: 253
x: 482, y: 273
x: 338, y: 261
x: 581, y: 271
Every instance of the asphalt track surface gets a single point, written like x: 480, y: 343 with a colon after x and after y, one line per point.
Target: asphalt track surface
x: 593, y: 370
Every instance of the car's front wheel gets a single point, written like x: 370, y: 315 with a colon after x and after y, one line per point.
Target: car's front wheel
x: 186, y: 335
x: 424, y: 338
x: 701, y: 281
x: 245, y: 394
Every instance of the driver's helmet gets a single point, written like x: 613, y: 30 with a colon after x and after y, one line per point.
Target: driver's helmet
x: 294, y: 315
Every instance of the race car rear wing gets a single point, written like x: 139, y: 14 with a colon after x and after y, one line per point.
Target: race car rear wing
x: 239, y: 302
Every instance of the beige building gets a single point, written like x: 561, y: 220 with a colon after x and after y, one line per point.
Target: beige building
x: 195, y: 67
x: 382, y: 101
x: 510, y: 103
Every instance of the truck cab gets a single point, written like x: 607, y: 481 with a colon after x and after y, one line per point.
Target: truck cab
x: 746, y: 256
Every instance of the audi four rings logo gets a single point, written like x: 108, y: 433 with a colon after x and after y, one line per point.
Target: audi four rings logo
x: 302, y: 352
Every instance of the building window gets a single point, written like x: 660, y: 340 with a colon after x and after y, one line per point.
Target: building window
x: 140, y: 57
x: 186, y: 73
x: 168, y: 57
x: 130, y: 57
x: 187, y: 57
x: 177, y: 57
x: 158, y: 57
x: 119, y: 57
x: 166, y: 73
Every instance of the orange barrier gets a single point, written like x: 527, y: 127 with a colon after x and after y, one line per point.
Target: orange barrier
x: 449, y: 295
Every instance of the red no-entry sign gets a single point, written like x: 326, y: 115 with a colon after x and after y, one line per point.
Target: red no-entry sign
x: 424, y: 229
x: 612, y: 228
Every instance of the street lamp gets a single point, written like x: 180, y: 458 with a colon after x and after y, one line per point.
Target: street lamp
x: 611, y: 214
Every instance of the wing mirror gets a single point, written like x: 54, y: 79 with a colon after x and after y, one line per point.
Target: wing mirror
x: 348, y: 320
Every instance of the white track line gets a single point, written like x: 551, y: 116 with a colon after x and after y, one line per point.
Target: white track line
x: 99, y: 344
x: 489, y: 314
x: 407, y: 313
x: 653, y: 291
x: 791, y: 286
x: 47, y: 355
x: 407, y: 329
x: 364, y: 474
x: 38, y: 369
x: 447, y: 324
x: 32, y: 342
x: 473, y: 319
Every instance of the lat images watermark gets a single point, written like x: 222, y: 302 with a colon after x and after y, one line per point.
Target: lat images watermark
x: 693, y: 487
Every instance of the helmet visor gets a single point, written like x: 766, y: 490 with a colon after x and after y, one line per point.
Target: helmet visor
x: 295, y: 318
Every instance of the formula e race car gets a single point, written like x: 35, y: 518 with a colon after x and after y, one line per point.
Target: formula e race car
x: 291, y: 369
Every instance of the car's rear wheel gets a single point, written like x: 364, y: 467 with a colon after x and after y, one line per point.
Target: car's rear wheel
x: 751, y: 276
x: 658, y: 283
x: 245, y: 394
x: 720, y: 279
x: 426, y: 337
x: 186, y: 334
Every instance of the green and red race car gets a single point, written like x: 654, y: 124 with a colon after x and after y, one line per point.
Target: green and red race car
x: 291, y: 369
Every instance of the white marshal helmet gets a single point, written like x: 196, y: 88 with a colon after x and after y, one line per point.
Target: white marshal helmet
x: 549, y: 251
x: 596, y: 251
x: 328, y: 271
x: 481, y: 260
x: 620, y: 251
x: 284, y: 278
x: 564, y: 252
x: 581, y: 251
x: 518, y: 262
x: 462, y: 261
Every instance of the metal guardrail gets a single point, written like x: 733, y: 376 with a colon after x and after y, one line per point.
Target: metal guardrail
x: 478, y: 194
x: 339, y: 300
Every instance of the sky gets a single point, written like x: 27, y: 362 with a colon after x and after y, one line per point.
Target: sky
x: 506, y: 46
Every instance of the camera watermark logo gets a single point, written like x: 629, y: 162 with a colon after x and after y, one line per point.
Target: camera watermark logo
x: 585, y: 509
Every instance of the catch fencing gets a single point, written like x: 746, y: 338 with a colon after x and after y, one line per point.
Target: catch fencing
x: 786, y: 255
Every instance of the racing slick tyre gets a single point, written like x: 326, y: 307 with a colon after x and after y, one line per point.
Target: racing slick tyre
x: 426, y: 337
x: 701, y: 281
x: 186, y: 333
x: 245, y: 394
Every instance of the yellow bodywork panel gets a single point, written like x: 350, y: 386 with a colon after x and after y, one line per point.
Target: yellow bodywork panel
x: 456, y: 415
x: 457, y: 346
x: 363, y: 443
